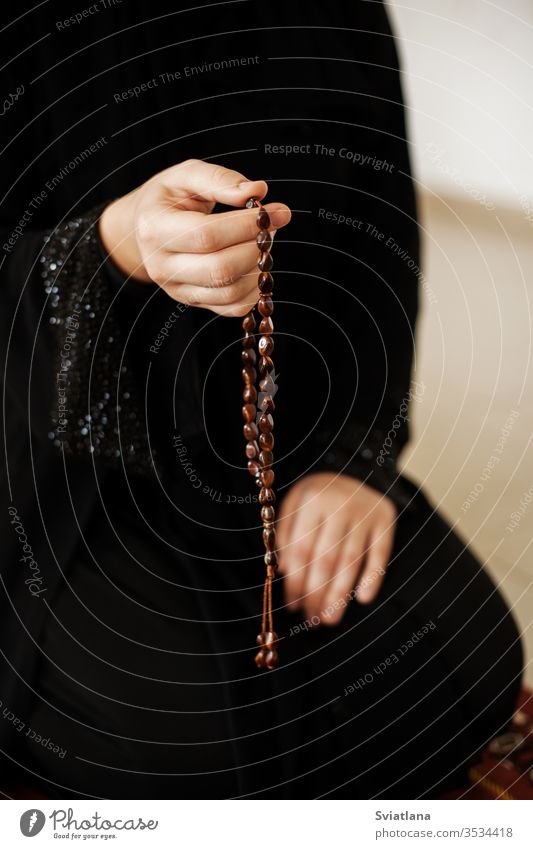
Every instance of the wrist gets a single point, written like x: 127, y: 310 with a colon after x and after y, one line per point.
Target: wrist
x: 118, y: 237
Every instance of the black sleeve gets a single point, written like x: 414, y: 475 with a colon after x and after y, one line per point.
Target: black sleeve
x: 70, y: 372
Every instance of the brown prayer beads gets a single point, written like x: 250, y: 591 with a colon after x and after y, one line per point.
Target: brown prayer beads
x: 259, y: 424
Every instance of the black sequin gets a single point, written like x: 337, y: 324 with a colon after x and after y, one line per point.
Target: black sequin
x: 98, y: 410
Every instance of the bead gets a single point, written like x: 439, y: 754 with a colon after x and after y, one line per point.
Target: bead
x: 267, y: 385
x: 265, y: 283
x: 266, y: 326
x: 263, y: 219
x: 249, y: 374
x: 267, y: 404
x: 268, y: 514
x: 251, y: 202
x: 264, y: 241
x: 265, y: 366
x: 248, y: 322
x: 249, y: 412
x: 254, y: 468
x: 271, y: 659
x: 248, y: 356
x: 265, y: 305
x: 267, y: 477
x: 269, y: 638
x: 267, y: 495
x: 269, y: 538
x: 266, y: 423
x: 260, y: 659
x: 271, y: 559
x: 266, y: 345
x: 248, y: 340
x: 265, y: 262
x: 266, y: 441
x: 249, y: 394
x: 250, y: 431
x: 252, y: 450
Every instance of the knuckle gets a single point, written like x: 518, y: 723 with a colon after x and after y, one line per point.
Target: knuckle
x: 204, y: 240
x: 155, y: 269
x: 219, y: 174
x: 221, y: 275
x: 190, y: 163
x: 145, y: 230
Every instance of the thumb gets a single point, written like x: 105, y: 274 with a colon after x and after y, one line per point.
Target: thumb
x: 214, y: 183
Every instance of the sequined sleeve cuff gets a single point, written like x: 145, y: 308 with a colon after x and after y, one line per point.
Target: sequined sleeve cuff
x: 97, y: 410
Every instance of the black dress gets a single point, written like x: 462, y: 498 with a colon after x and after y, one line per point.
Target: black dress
x: 132, y: 572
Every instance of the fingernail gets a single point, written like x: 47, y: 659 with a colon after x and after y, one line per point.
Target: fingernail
x: 246, y: 185
x: 280, y: 217
x: 364, y: 598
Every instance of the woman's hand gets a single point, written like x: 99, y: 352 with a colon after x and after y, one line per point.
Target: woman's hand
x: 335, y: 537
x: 163, y: 233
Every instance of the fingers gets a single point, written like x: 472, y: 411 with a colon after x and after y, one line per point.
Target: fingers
x: 204, y: 181
x: 197, y: 233
x: 341, y: 589
x: 323, y: 565
x: 235, y: 299
x: 297, y: 554
x: 335, y: 544
x: 212, y: 271
x: 380, y: 547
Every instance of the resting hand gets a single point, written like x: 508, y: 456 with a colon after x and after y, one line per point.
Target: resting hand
x: 335, y: 537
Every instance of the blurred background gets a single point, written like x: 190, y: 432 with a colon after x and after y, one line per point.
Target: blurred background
x: 468, y: 80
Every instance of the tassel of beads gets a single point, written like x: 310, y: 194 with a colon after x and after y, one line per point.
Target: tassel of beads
x: 259, y: 433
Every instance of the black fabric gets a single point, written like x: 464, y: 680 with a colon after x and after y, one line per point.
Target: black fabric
x: 141, y: 573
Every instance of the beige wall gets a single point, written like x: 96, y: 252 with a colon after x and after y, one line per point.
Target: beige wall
x: 472, y: 445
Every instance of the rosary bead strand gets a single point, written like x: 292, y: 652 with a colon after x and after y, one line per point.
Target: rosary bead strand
x: 259, y: 424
